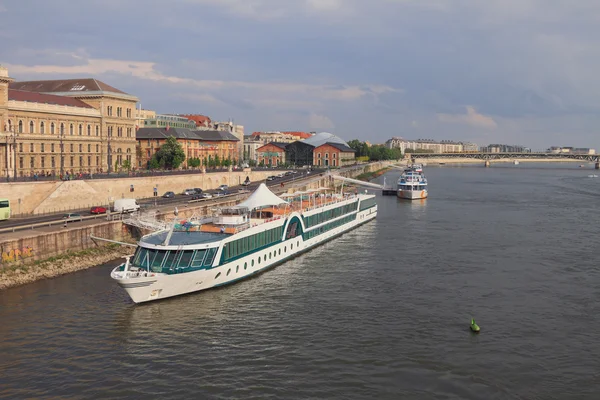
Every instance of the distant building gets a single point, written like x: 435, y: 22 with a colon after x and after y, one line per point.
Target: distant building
x: 571, y: 150
x: 170, y: 120
x: 505, y: 148
x: 430, y: 145
x: 201, y: 144
x: 140, y: 115
x: 272, y: 154
x: 280, y: 137
x: 251, y: 144
x: 322, y: 149
x: 202, y: 121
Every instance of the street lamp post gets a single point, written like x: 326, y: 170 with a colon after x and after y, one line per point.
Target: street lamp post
x: 62, y: 157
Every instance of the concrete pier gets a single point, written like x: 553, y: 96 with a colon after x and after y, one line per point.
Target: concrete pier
x: 597, y: 166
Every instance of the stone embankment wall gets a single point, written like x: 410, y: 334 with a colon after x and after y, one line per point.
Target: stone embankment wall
x: 43, y: 197
x: 450, y: 160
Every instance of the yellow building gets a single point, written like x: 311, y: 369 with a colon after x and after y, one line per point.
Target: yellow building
x: 59, y: 126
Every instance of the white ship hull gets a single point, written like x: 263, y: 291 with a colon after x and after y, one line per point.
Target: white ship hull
x: 161, y: 286
x: 412, y: 194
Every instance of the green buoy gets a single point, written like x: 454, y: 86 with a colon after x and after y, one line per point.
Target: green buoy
x: 474, y: 326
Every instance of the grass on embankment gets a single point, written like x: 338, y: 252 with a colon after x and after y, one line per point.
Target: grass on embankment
x: 368, y: 176
x: 70, y: 261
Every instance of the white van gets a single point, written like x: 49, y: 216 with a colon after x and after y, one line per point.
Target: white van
x: 125, y: 205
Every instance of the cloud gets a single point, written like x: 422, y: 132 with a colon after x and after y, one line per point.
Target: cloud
x: 272, y: 64
x: 472, y: 118
x: 320, y: 122
x: 146, y: 70
x: 2, y: 8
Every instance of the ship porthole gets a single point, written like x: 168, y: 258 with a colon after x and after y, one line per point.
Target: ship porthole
x: 269, y: 256
x: 228, y: 271
x: 285, y: 249
x: 253, y: 263
x: 279, y: 251
x: 245, y: 265
x: 259, y: 260
x: 218, y: 275
x: 237, y: 269
x: 298, y: 243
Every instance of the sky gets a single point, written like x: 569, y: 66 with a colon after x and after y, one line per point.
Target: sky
x: 495, y: 71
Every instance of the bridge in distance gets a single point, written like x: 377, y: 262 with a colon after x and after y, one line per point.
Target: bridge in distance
x: 512, y: 156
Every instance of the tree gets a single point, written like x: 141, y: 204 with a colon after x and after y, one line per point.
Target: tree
x: 194, y: 162
x: 216, y: 161
x: 252, y: 163
x: 154, y: 164
x: 126, y: 165
x: 170, y: 155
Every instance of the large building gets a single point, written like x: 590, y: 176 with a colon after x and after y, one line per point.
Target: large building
x: 323, y: 149
x: 571, y: 150
x: 271, y: 154
x: 202, y: 144
x: 251, y: 144
x: 432, y: 146
x: 505, y: 148
x: 280, y: 137
x: 52, y: 127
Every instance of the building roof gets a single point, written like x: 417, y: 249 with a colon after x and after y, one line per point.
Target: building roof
x: 71, y: 86
x: 324, y: 137
x: 341, y: 147
x: 184, y: 133
x: 276, y: 144
x: 33, y: 97
x: 200, y: 120
x: 301, y: 135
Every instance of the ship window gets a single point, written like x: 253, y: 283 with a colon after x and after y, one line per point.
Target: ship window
x: 141, y: 258
x: 245, y: 265
x: 237, y: 269
x: 170, y: 260
x: 157, y: 260
x: 259, y: 260
x: 210, y: 257
x: 292, y: 246
x: 228, y: 271
x: 279, y: 251
x: 285, y: 249
x: 186, y: 257
x: 218, y: 275
x: 253, y: 263
x: 198, y: 258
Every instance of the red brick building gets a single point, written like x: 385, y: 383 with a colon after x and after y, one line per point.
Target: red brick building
x: 332, y: 155
x: 202, y: 121
x: 271, y: 153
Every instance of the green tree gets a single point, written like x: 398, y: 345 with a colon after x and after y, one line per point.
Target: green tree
x: 252, y: 163
x: 126, y: 165
x: 154, y: 164
x: 194, y: 162
x: 170, y: 155
x: 216, y: 161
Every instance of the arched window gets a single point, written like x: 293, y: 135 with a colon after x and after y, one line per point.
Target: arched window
x: 97, y: 130
x: 89, y: 130
x: 9, y: 125
x: 20, y: 126
x: 42, y: 128
x: 80, y: 129
x: 52, y: 128
x: 71, y: 129
x: 30, y: 126
x: 62, y: 129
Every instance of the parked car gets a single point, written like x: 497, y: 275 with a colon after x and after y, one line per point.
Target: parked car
x: 197, y: 196
x: 288, y: 173
x: 246, y: 183
x: 168, y: 195
x: 223, y: 187
x: 72, y: 217
x: 206, y: 195
x: 197, y: 190
x: 98, y: 210
x: 188, y: 192
x: 270, y: 178
x: 281, y: 175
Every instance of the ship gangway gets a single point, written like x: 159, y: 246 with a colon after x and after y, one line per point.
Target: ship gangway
x: 385, y: 189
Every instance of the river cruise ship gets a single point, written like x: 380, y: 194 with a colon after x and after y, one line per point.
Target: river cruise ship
x: 239, y: 241
x: 412, y: 185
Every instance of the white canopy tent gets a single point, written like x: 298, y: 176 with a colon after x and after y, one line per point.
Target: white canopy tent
x: 262, y: 197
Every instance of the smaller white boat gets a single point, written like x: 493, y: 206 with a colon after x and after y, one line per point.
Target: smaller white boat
x: 516, y: 162
x: 592, y: 176
x: 412, y: 185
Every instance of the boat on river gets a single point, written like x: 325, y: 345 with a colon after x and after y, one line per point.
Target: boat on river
x: 412, y: 185
x: 239, y: 241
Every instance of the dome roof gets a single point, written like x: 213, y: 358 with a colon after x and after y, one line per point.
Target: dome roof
x: 324, y: 137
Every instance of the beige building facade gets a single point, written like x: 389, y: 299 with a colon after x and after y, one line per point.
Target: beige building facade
x: 57, y: 126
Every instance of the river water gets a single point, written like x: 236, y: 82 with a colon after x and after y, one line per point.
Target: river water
x: 381, y: 312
